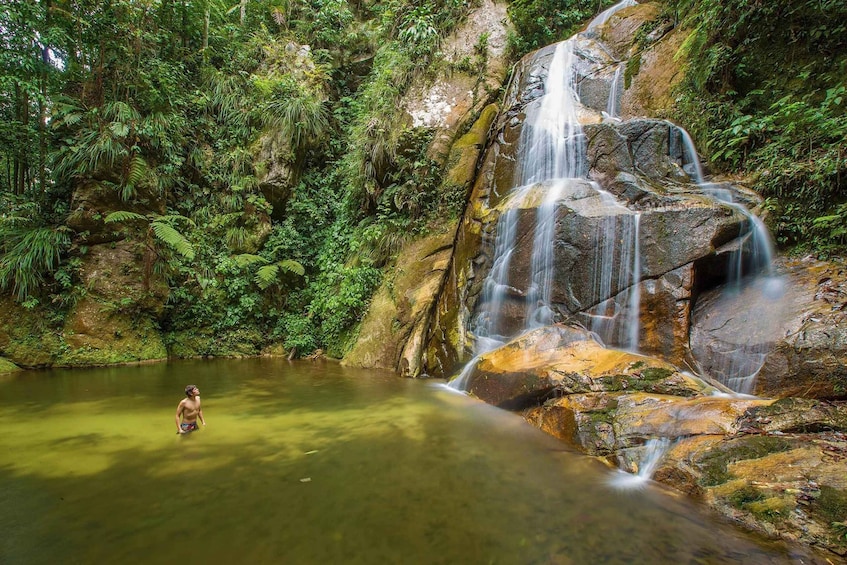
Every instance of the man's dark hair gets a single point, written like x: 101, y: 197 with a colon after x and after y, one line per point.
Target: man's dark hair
x: 188, y: 389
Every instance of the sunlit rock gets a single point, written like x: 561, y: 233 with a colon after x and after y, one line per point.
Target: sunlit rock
x: 391, y: 336
x: 562, y: 360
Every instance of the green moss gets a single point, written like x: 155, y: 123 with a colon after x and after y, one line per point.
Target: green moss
x: 773, y: 509
x: 632, y: 68
x: 831, y: 505
x: 656, y: 373
x: 744, y: 495
x: 606, y: 415
x: 714, y: 464
x: 7, y: 366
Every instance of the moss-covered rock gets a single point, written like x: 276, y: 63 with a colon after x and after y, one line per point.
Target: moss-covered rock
x: 29, y: 337
x: 7, y: 366
x: 204, y: 342
x: 391, y: 335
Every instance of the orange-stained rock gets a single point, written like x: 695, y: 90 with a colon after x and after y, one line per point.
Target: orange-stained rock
x: 391, y: 333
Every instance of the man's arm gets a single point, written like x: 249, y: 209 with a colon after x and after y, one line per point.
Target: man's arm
x: 180, y: 407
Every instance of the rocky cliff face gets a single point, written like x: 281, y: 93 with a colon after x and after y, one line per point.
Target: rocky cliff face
x: 455, y: 106
x: 773, y: 465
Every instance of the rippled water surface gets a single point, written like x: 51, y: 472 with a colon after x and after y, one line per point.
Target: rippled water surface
x: 314, y: 463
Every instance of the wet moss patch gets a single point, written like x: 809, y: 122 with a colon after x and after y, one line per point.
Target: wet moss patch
x: 773, y: 509
x: 831, y: 505
x: 714, y: 465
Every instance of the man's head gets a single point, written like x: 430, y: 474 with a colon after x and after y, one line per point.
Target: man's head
x: 191, y: 390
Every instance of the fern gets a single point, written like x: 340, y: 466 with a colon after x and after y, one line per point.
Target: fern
x: 173, y: 238
x: 138, y: 169
x: 123, y: 216
x: 266, y: 275
x: 291, y: 266
x: 27, y: 253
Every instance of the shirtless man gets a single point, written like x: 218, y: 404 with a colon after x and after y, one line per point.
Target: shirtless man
x: 189, y: 410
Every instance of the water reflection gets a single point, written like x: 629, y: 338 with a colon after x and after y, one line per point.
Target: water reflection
x: 313, y: 463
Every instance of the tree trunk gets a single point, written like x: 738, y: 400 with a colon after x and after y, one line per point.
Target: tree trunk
x: 207, y: 14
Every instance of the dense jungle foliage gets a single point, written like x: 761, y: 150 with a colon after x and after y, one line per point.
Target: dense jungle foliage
x: 168, y: 106
x: 170, y: 101
x: 766, y: 96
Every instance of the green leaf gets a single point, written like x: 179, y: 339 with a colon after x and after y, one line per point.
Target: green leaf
x: 119, y: 129
x: 246, y: 259
x: 291, y: 266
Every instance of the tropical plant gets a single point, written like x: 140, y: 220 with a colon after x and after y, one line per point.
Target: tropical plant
x: 769, y: 100
x: 28, y: 253
x: 159, y: 230
x: 269, y: 272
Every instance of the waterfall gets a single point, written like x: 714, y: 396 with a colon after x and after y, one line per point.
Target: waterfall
x: 552, y: 145
x: 551, y: 155
x: 757, y: 240
x: 653, y: 452
x: 614, y: 93
x: 495, y: 290
x: 604, y: 16
x: 751, y: 287
x: 634, y: 303
x: 617, y: 267
x: 690, y: 159
x: 538, y: 310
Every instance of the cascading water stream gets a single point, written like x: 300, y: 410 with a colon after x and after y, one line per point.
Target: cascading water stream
x: 654, y: 452
x: 604, y: 16
x: 617, y: 267
x: 614, y: 93
x: 750, y: 279
x: 552, y: 152
x: 691, y: 161
x: 757, y: 241
x: 538, y: 299
x: 552, y: 147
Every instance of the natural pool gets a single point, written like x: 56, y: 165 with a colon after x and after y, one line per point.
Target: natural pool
x: 315, y: 463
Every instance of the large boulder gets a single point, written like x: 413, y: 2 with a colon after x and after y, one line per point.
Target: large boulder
x: 476, y: 66
x: 565, y: 360
x: 785, y: 335
x: 391, y: 333
x: 117, y: 320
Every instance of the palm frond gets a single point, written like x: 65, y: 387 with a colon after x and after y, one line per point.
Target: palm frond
x: 33, y: 253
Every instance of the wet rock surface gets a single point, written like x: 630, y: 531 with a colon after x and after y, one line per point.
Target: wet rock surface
x: 775, y: 466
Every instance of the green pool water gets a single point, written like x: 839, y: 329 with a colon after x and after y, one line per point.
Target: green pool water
x: 314, y: 463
